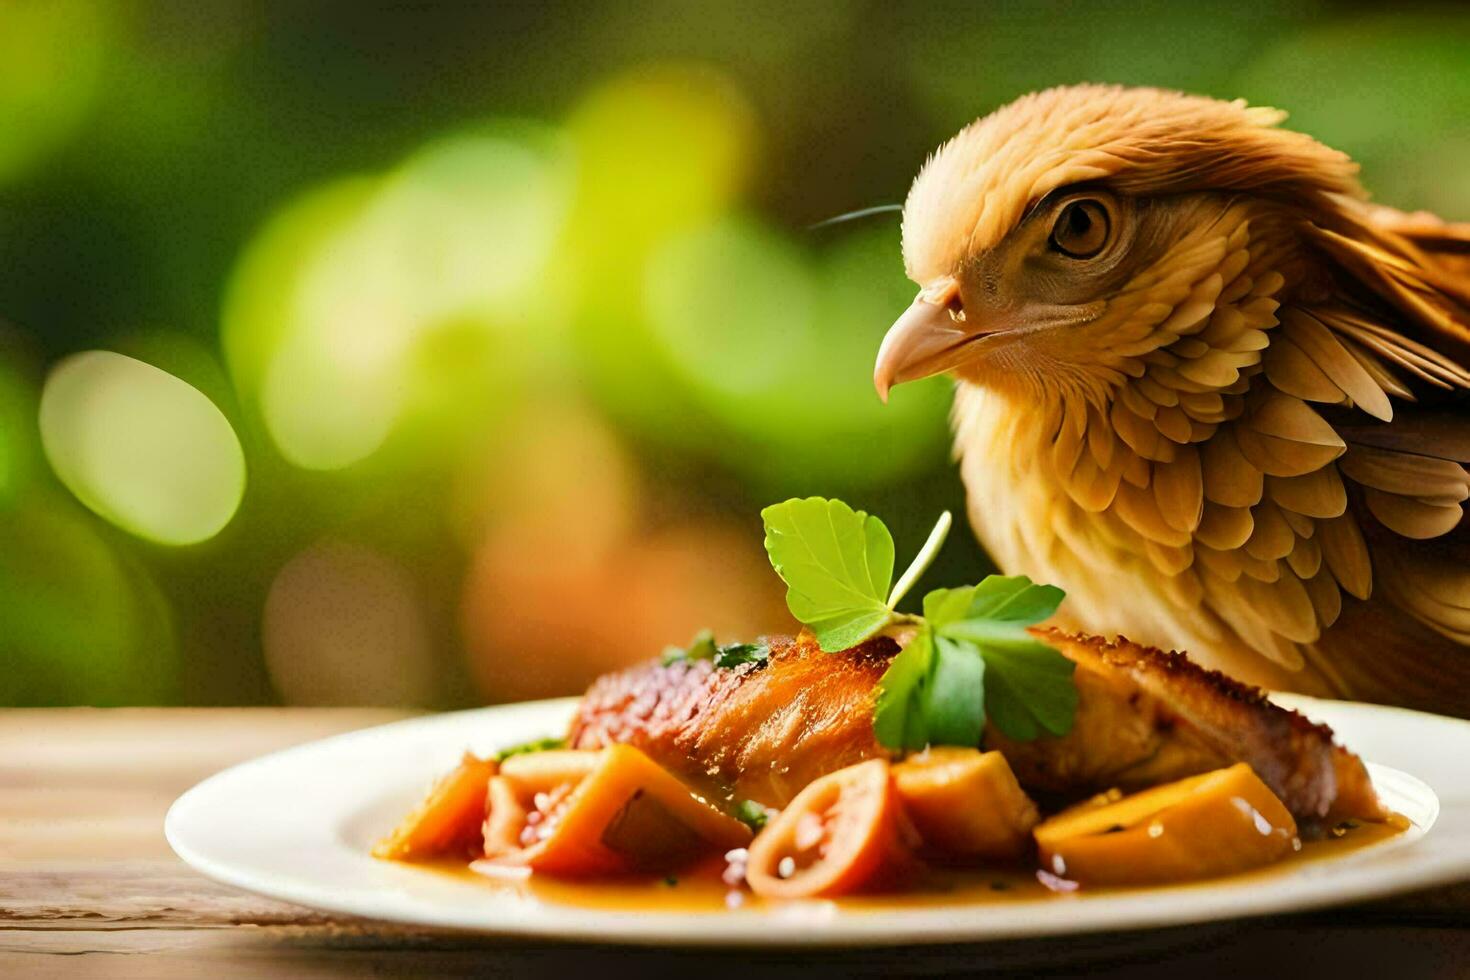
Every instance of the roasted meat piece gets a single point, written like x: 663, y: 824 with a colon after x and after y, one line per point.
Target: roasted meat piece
x: 1147, y: 716
x: 763, y: 731
x: 757, y: 731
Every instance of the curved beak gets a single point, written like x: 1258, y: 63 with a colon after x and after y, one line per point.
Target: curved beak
x: 925, y: 340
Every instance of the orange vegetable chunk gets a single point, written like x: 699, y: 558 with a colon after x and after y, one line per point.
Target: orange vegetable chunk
x: 1217, y: 823
x: 843, y: 833
x: 449, y: 819
x: 588, y: 813
x: 542, y: 771
x: 966, y: 803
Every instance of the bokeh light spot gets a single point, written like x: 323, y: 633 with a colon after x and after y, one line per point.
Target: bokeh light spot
x: 330, y: 404
x: 78, y: 625
x: 660, y: 148
x: 539, y: 624
x: 733, y: 304
x: 16, y: 412
x: 777, y: 347
x: 344, y: 626
x: 332, y: 381
x: 558, y: 479
x: 260, y: 298
x: 338, y: 311
x: 470, y: 223
x: 141, y: 448
x: 50, y: 59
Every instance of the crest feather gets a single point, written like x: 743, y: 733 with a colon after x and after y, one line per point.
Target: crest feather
x: 977, y: 186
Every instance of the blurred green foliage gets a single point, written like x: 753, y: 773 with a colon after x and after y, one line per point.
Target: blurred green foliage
x: 386, y: 241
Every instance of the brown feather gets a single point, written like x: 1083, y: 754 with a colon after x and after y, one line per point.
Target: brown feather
x: 1179, y: 491
x: 1316, y: 494
x: 1276, y: 382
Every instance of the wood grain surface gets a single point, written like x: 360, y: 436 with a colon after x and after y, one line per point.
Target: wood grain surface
x: 89, y: 888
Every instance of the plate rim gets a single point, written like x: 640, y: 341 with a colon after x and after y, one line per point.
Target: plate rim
x: 820, y: 924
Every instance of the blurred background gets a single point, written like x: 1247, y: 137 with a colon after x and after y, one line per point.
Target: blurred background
x: 421, y: 354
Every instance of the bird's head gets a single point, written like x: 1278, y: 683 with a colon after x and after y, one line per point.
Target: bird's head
x: 1038, y: 236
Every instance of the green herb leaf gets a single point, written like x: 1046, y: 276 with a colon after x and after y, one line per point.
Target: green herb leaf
x: 1029, y: 689
x: 899, y: 720
x: 1014, y: 599
x: 945, y: 606
x: 735, y: 654
x: 955, y: 696
x: 837, y: 564
x: 971, y: 658
x: 752, y: 814
x: 526, y: 748
x: 702, y: 647
x: 1028, y: 686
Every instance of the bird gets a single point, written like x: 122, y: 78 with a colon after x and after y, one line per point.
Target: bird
x: 1204, y: 385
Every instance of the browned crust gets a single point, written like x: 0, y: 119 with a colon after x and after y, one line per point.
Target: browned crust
x: 1123, y: 652
x: 1298, y: 758
x: 763, y: 731
x: 760, y: 730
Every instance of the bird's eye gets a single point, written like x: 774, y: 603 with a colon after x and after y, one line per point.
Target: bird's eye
x: 1081, y: 230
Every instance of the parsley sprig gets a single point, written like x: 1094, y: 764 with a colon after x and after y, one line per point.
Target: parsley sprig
x: 703, y: 647
x: 526, y: 748
x: 969, y: 658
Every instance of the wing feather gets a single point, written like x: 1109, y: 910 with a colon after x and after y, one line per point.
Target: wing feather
x: 1275, y: 455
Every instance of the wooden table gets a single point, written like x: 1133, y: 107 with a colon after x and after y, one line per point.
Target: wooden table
x: 88, y: 887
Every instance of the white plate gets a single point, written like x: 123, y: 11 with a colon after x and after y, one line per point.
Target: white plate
x: 297, y: 826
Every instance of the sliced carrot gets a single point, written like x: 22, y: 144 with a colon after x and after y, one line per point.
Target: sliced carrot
x: 449, y: 819
x: 845, y: 832
x: 966, y: 803
x: 538, y: 772
x: 617, y: 810
x: 1213, y: 824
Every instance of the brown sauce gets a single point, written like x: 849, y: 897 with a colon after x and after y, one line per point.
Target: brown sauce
x: 699, y: 888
